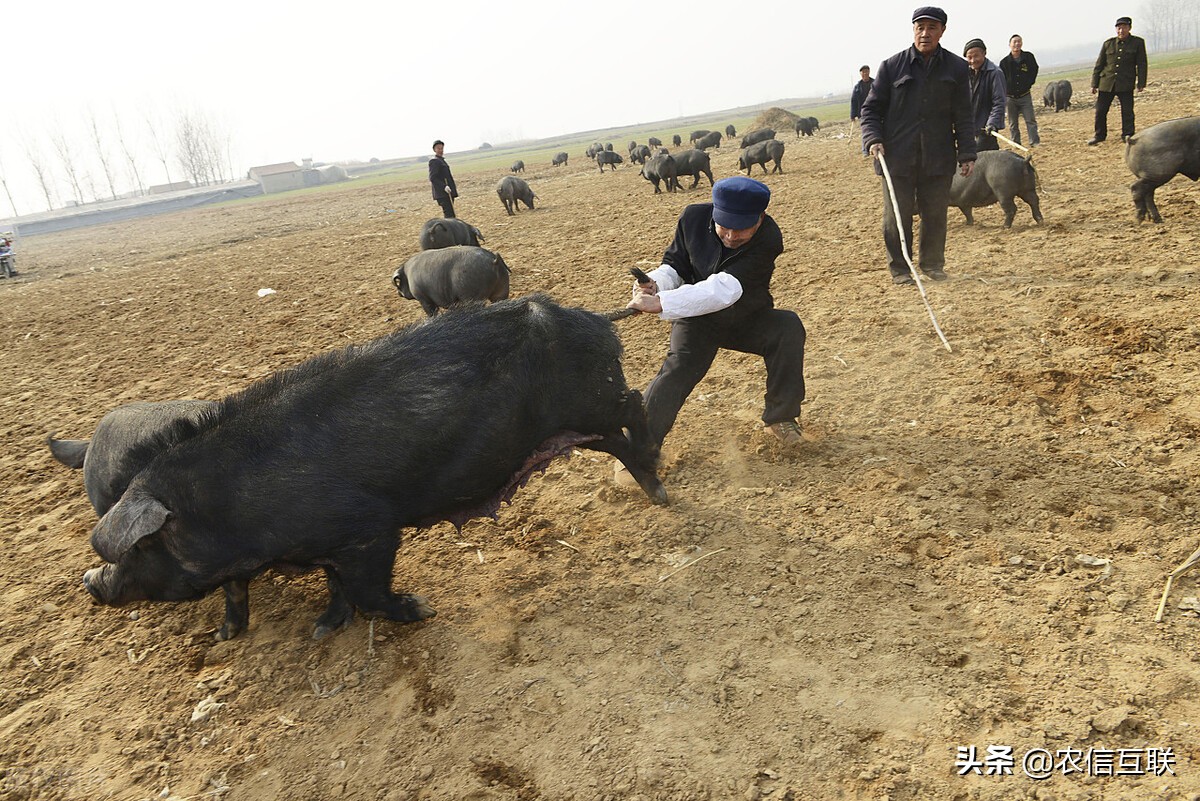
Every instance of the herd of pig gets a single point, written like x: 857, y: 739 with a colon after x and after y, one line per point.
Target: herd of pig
x: 323, y: 464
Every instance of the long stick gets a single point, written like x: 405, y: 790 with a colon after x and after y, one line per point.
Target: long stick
x: 1008, y: 141
x: 887, y: 176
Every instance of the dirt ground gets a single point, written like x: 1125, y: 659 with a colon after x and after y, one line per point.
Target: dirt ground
x: 970, y: 553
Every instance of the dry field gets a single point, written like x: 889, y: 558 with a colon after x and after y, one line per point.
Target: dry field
x: 909, y: 584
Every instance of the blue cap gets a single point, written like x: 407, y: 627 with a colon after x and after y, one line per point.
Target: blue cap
x: 739, y: 201
x: 929, y: 12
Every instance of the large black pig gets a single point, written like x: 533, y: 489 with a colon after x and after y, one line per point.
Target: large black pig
x: 998, y: 177
x: 1158, y: 154
x: 761, y: 135
x: 444, y: 232
x: 439, y: 279
x: 760, y: 153
x: 559, y: 158
x: 512, y: 191
x: 610, y: 158
x: 710, y: 139
x: 694, y: 163
x: 325, y: 463
x: 1062, y: 95
x: 661, y: 168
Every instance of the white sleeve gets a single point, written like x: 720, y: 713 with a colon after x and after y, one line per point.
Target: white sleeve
x: 666, y: 277
x: 718, y: 291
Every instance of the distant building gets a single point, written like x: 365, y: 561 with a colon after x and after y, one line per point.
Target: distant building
x: 278, y: 177
x: 159, y: 189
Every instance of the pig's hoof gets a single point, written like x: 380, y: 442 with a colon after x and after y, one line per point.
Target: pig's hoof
x: 658, y: 496
x: 331, y: 621
x: 228, y: 631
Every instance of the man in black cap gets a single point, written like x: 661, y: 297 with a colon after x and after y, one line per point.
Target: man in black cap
x: 918, y: 117
x: 1020, y: 70
x: 714, y: 286
x: 1120, y: 67
x: 987, y: 95
x: 444, y: 189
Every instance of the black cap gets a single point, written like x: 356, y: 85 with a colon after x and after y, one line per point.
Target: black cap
x: 864, y: 67
x: 1125, y: 21
x: 929, y: 12
x: 974, y: 43
x: 437, y: 142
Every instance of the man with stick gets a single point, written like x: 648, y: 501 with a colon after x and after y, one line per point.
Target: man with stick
x: 714, y: 286
x: 918, y: 116
x: 987, y: 95
x: 444, y: 189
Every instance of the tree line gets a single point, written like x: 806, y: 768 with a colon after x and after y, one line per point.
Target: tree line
x: 107, y: 158
x: 1169, y: 24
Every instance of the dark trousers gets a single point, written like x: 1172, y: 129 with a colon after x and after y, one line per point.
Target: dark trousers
x: 447, y: 206
x: 930, y: 195
x: 1104, y: 103
x: 775, y: 334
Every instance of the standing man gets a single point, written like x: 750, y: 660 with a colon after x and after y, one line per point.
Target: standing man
x: 444, y: 190
x: 918, y: 117
x: 987, y: 95
x: 1120, y: 67
x: 1020, y: 73
x: 714, y: 286
x: 859, y: 94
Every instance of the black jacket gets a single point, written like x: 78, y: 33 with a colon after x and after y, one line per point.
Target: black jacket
x: 861, y: 90
x: 440, y: 177
x: 1121, y: 66
x: 697, y: 253
x: 1019, y: 76
x: 922, y: 115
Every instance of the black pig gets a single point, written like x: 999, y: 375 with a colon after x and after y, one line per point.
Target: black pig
x: 441, y: 278
x: 323, y: 464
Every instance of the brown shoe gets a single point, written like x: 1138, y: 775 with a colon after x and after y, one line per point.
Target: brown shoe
x: 787, y: 432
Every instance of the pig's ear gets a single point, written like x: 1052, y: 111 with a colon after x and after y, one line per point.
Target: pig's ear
x: 134, y: 516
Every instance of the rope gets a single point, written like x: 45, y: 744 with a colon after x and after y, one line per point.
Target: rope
x: 887, y: 176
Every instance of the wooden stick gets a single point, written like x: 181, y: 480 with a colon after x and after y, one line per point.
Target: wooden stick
x: 887, y: 176
x: 1008, y: 141
x: 1187, y: 564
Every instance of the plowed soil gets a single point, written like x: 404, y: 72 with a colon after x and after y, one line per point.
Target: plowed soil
x: 970, y: 553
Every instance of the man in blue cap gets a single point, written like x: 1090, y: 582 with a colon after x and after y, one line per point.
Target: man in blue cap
x: 714, y: 286
x: 918, y: 116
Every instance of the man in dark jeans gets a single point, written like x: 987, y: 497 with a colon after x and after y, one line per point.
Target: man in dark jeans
x: 1120, y: 67
x: 1020, y: 73
x: 918, y: 117
x: 444, y: 189
x: 714, y: 286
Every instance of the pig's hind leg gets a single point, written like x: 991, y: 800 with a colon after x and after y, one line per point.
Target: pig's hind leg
x: 339, y: 612
x: 365, y: 575
x: 237, y: 609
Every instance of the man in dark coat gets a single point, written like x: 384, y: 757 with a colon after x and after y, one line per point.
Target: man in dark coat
x: 714, y: 286
x: 918, y: 117
x: 987, y: 95
x: 1020, y: 70
x: 859, y: 94
x: 1120, y: 67
x: 444, y: 189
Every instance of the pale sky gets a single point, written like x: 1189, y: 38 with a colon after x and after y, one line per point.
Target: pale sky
x: 355, y: 80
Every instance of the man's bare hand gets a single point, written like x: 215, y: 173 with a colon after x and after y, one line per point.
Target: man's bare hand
x: 967, y: 168
x: 877, y: 149
x: 646, y: 303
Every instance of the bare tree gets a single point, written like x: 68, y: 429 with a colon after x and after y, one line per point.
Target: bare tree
x: 199, y: 144
x: 102, y: 153
x: 7, y: 191
x: 159, y: 144
x: 62, y: 148
x: 37, y: 163
x: 1171, y: 24
x: 130, y: 157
